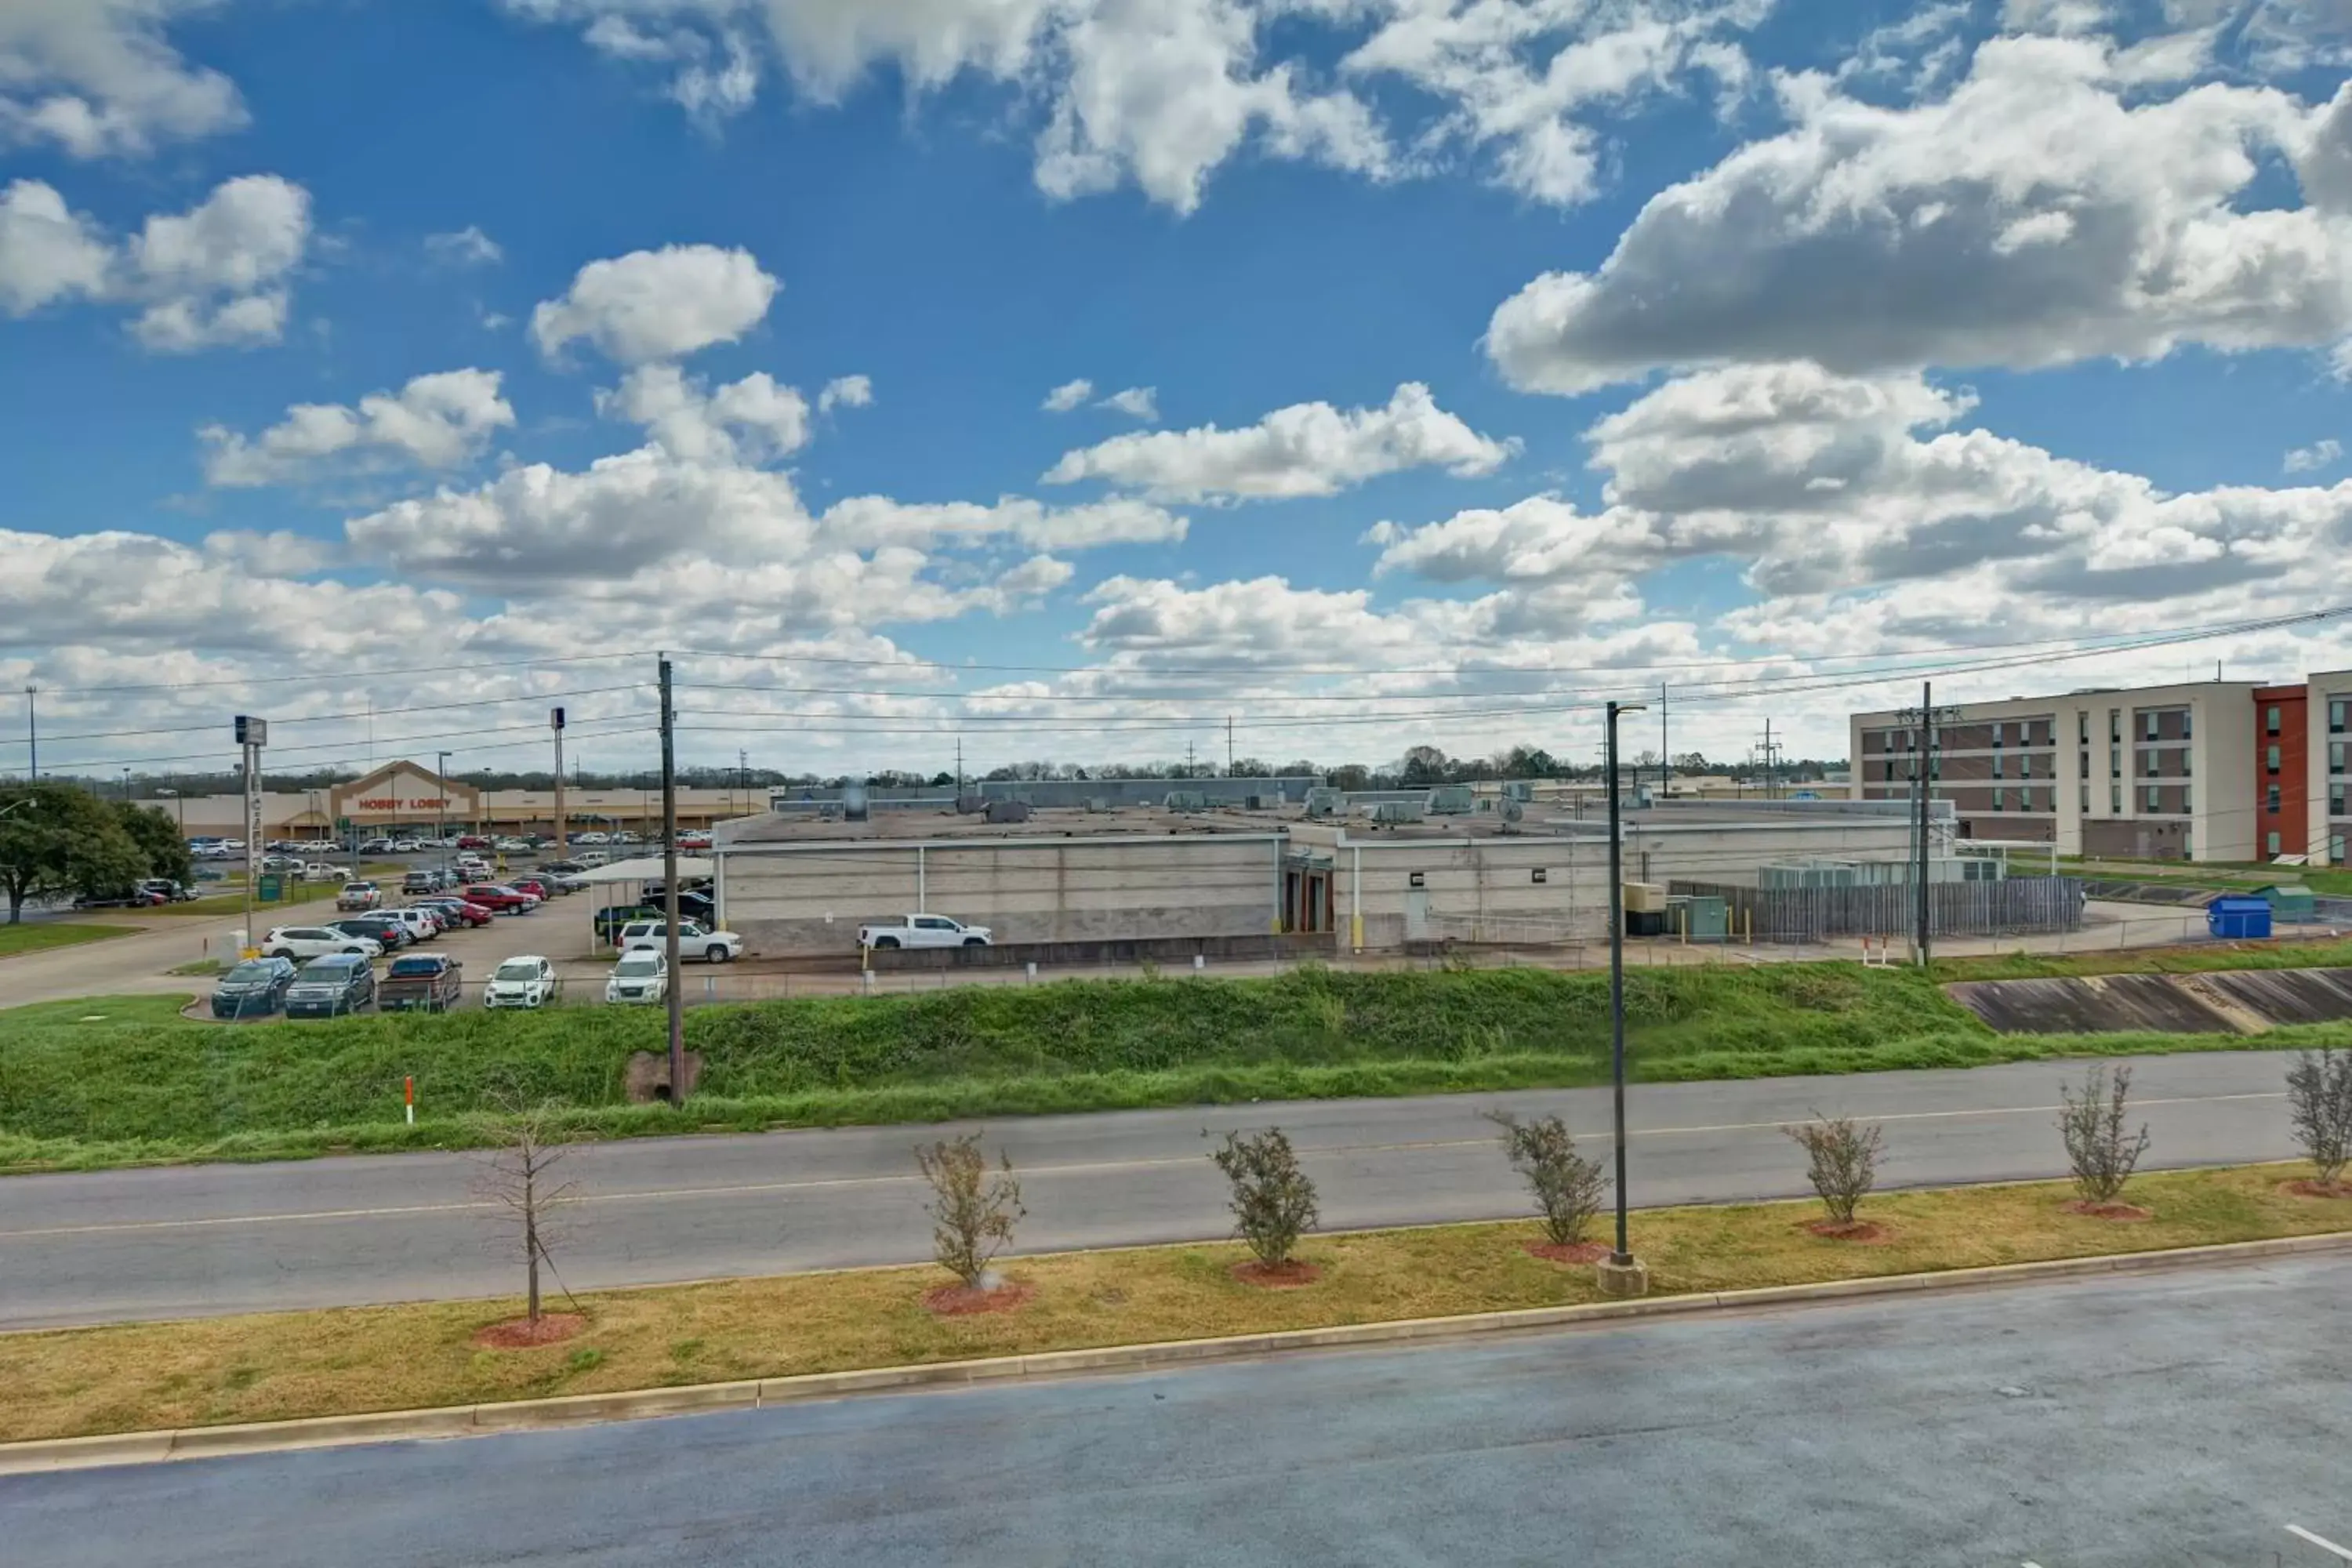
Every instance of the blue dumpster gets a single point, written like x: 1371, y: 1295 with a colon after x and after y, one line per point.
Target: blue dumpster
x: 2238, y: 917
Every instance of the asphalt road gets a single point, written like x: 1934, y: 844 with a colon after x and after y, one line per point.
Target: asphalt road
x: 2185, y: 1419
x: 193, y: 1240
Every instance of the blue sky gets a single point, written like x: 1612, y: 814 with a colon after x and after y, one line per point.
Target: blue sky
x: 1744, y: 346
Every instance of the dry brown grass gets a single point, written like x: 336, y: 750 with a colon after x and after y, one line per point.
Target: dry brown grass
x: 269, y: 1367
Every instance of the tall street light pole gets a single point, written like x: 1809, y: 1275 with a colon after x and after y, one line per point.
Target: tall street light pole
x: 1619, y: 1274
x: 441, y: 812
x: 32, y: 737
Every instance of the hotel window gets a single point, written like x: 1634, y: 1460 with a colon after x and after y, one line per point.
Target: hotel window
x: 2154, y: 796
x: 1996, y: 800
x: 1996, y: 764
x: 2334, y: 756
x: 2335, y: 716
x: 2083, y: 727
x: 2114, y: 723
x: 2270, y: 844
x: 2185, y: 807
x: 2151, y: 726
x: 2334, y: 800
x: 2116, y: 799
x: 2147, y: 768
x: 2336, y: 848
x: 2184, y: 764
x: 2115, y: 762
x: 2271, y: 800
x: 2186, y: 715
x: 1935, y: 764
x: 2270, y: 759
x: 1997, y: 728
x: 2271, y: 720
x: 2086, y: 801
x: 2086, y: 764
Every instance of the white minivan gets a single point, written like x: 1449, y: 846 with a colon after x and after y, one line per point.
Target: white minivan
x: 693, y: 941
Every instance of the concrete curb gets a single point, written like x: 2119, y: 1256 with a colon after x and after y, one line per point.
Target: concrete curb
x: 585, y: 1409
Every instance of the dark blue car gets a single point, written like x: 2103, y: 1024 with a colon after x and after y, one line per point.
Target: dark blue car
x: 253, y: 989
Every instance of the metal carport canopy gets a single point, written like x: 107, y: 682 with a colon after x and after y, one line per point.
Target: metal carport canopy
x: 647, y: 869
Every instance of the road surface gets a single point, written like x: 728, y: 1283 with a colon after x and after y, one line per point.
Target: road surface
x: 2185, y: 1419
x: 191, y: 1240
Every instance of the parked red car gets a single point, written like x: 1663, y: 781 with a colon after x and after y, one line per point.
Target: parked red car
x: 466, y: 912
x: 501, y: 900
x: 534, y: 887
x: 473, y: 841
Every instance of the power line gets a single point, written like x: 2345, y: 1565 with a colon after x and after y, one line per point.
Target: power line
x: 472, y: 665
x: 355, y: 713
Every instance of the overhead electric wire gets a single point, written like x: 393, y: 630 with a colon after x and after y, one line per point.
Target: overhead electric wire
x: 472, y: 665
x: 636, y: 721
x: 276, y: 722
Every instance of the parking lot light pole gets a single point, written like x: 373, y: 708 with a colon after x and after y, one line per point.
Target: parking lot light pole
x: 441, y: 813
x: 1619, y: 1274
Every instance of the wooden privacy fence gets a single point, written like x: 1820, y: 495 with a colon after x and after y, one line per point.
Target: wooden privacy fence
x: 2015, y: 906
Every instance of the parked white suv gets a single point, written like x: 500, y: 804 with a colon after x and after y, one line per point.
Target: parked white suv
x: 642, y: 976
x: 421, y: 927
x: 303, y: 943
x: 524, y: 981
x: 693, y: 941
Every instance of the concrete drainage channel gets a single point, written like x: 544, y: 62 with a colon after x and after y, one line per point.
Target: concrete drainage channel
x: 2218, y: 1001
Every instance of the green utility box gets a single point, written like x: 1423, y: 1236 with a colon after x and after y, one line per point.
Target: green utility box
x: 1706, y: 919
x: 2288, y: 901
x: 271, y: 888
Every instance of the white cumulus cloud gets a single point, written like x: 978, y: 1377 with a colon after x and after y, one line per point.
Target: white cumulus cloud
x: 1305, y: 449
x: 1068, y: 396
x: 1135, y: 402
x: 100, y: 78
x: 435, y: 421
x: 2310, y: 459
x: 657, y: 304
x: 846, y: 392
x: 754, y: 420
x: 2049, y: 210
x: 47, y: 252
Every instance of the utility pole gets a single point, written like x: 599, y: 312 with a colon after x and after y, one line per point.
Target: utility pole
x: 563, y: 817
x: 1189, y: 771
x: 675, y: 996
x: 32, y: 738
x: 958, y: 767
x: 441, y: 812
x: 1769, y: 752
x: 1923, y: 790
x: 252, y: 734
x: 1664, y: 767
x: 1619, y: 1274
x: 1229, y: 745
x: 742, y: 778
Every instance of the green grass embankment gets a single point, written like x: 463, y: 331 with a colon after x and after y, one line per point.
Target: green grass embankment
x: 118, y: 1080
x: 41, y: 936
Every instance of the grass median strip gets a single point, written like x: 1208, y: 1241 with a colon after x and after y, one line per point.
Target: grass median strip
x: 82, y: 1382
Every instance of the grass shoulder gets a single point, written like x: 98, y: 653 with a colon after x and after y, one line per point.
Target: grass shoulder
x: 81, y: 1382
x: 41, y: 936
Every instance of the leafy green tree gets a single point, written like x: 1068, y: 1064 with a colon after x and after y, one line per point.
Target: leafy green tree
x: 57, y: 839
x: 157, y: 836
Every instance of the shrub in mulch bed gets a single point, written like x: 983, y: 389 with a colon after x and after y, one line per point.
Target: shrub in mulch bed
x: 522, y: 1334
x: 1863, y: 1232
x: 2308, y: 1188
x: 2107, y: 1211
x: 1572, y: 1252
x: 961, y: 1300
x: 1290, y: 1275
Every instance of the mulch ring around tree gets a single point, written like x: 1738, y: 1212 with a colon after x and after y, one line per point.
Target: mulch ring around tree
x: 1569, y: 1252
x: 1864, y: 1232
x: 2308, y: 1188
x: 2108, y: 1211
x: 961, y: 1300
x: 1288, y: 1275
x: 522, y: 1334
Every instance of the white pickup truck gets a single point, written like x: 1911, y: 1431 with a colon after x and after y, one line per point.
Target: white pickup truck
x: 923, y: 930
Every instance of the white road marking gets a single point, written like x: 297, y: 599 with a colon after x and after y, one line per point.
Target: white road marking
x: 2344, y: 1553
x: 1075, y: 1168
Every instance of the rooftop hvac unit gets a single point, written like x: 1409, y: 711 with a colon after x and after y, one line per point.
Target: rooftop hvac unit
x: 1396, y: 811
x: 1008, y: 811
x: 1186, y: 800
x: 1511, y: 811
x: 1518, y: 789
x: 1098, y: 804
x: 1258, y: 802
x: 1322, y: 801
x: 1451, y: 800
x: 971, y: 805
x: 853, y: 802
